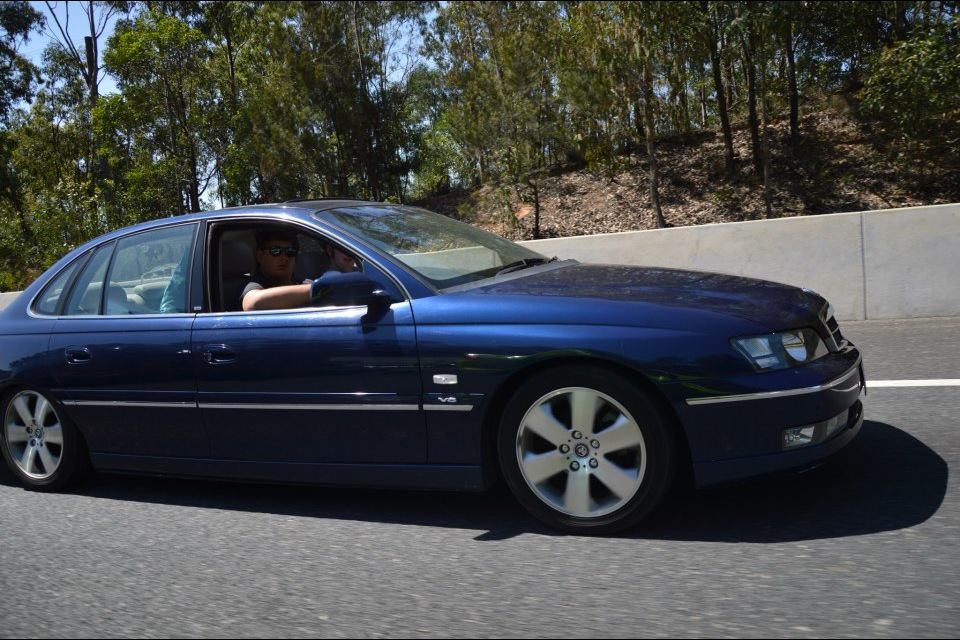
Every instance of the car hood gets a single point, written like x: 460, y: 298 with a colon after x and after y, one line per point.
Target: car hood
x: 769, y: 304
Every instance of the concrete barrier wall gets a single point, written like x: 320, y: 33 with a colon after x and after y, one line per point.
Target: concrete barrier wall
x: 447, y: 263
x: 7, y: 298
x: 896, y: 263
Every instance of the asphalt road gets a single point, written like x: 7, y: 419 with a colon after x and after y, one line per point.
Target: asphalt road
x: 864, y: 546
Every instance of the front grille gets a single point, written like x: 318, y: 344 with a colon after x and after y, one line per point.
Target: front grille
x: 834, y: 329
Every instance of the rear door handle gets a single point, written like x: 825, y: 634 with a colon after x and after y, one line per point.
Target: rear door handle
x: 77, y: 355
x: 218, y: 354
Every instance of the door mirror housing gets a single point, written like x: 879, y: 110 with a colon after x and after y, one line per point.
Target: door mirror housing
x: 344, y: 289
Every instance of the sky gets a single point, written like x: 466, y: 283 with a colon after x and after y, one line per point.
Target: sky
x: 78, y: 28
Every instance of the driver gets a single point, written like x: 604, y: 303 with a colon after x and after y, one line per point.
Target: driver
x: 272, y: 286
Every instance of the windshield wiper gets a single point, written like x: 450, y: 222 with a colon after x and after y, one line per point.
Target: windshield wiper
x: 524, y: 263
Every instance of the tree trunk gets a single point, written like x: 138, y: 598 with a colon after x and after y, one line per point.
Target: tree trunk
x: 703, y: 97
x: 98, y: 166
x: 91, y: 74
x: 730, y: 85
x: 727, y: 68
x: 766, y: 142
x: 638, y: 117
x: 748, y: 63
x: 651, y: 144
x: 792, y: 82
x: 373, y: 141
x: 900, y: 20
x: 194, y: 182
x: 534, y: 183
x: 718, y: 88
x: 684, y: 103
x: 231, y: 65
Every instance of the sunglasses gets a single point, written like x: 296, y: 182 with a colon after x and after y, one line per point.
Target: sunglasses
x: 276, y: 251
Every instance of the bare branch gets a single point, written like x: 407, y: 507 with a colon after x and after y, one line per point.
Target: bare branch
x: 67, y: 42
x: 105, y: 20
x: 206, y: 182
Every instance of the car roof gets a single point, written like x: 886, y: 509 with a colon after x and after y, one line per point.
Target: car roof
x: 297, y: 209
x: 302, y: 210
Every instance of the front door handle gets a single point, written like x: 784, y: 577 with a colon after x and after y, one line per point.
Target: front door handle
x: 77, y: 355
x: 218, y: 354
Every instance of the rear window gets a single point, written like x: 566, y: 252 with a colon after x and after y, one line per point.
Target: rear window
x: 85, y: 296
x: 149, y: 273
x: 49, y: 300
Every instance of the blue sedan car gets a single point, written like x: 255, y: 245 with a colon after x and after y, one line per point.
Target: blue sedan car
x: 451, y: 358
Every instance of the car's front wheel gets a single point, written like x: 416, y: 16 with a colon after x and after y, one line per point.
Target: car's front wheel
x: 39, y: 445
x: 586, y: 451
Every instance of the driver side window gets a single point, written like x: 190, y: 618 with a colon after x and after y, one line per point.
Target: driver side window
x: 242, y: 255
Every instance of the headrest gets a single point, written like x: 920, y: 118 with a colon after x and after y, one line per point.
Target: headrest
x: 237, y: 259
x: 116, y: 300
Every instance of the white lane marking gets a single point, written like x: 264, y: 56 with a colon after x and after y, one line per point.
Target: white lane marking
x: 944, y: 382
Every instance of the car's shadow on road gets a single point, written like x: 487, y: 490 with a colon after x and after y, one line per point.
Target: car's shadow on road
x: 885, y: 480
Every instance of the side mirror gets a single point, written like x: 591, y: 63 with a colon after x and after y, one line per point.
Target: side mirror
x: 354, y: 288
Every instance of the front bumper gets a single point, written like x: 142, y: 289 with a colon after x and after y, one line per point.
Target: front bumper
x: 721, y: 471
x: 739, y: 434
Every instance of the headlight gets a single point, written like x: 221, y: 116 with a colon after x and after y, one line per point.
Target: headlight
x: 781, y: 350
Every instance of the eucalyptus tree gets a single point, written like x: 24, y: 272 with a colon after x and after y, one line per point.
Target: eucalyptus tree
x: 231, y: 29
x: 17, y: 78
x: 914, y: 91
x: 160, y: 117
x: 711, y: 35
x: 17, y: 21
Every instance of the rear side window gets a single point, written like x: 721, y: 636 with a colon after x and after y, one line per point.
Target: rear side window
x: 50, y: 298
x: 85, y: 297
x: 150, y: 272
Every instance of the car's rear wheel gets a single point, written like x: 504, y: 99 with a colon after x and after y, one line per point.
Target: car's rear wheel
x: 586, y: 451
x: 39, y: 445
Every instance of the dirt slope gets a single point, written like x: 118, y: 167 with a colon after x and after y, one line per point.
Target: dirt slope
x: 841, y: 165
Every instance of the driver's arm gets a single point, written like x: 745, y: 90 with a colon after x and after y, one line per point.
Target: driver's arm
x: 288, y: 297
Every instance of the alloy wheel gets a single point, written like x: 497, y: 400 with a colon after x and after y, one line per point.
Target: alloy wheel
x: 581, y: 452
x: 34, y: 435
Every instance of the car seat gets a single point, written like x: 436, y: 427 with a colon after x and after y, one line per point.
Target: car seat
x: 237, y: 265
x: 116, y: 301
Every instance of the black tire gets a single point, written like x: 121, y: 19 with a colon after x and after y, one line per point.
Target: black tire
x: 74, y: 457
x: 656, y: 427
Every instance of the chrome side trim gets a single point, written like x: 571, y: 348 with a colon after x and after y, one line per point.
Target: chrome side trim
x: 764, y: 395
x: 130, y: 316
x: 448, y: 407
x: 129, y: 403
x: 311, y: 407
x: 850, y: 388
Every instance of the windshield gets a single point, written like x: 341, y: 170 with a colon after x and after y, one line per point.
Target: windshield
x: 442, y: 250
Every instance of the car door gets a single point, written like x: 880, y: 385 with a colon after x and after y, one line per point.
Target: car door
x: 312, y: 385
x: 121, y: 348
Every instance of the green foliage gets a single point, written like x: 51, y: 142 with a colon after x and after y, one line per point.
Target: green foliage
x: 914, y: 87
x: 223, y: 104
x: 17, y: 20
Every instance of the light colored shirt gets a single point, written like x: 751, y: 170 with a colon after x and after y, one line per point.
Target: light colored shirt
x: 253, y: 285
